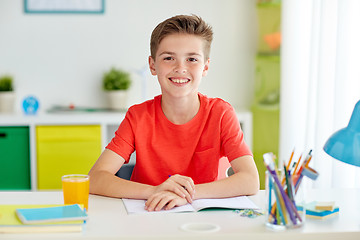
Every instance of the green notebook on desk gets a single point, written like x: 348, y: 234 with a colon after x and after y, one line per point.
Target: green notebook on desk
x: 10, y: 222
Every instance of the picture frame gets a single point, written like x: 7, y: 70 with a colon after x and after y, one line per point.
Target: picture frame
x: 64, y: 6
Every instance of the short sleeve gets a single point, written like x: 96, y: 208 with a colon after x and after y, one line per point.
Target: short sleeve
x: 123, y: 141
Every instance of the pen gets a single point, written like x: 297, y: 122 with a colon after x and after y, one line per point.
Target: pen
x: 292, y: 168
x: 288, y: 187
x: 286, y: 168
x: 297, y: 164
x: 308, y: 157
x: 270, y: 189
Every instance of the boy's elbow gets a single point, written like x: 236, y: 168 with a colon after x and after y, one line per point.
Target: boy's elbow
x: 92, y: 183
x: 95, y: 181
x: 254, y: 187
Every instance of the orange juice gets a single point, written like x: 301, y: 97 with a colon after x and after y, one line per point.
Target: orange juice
x: 76, y: 189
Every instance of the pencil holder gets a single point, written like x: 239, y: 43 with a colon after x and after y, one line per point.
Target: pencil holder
x: 284, y: 200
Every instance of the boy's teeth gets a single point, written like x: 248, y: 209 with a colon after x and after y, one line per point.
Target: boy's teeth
x: 179, y: 80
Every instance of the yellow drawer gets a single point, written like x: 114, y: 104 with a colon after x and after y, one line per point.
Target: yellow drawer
x: 65, y: 150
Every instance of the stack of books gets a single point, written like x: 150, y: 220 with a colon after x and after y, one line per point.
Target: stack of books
x: 41, y: 218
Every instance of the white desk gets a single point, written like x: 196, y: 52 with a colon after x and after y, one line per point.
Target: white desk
x: 109, y: 220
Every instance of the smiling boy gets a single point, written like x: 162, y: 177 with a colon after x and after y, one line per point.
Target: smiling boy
x: 180, y: 135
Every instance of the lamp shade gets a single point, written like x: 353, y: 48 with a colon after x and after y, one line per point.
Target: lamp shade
x: 344, y: 145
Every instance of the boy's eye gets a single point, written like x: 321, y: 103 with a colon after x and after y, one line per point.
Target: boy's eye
x: 167, y: 58
x: 192, y: 59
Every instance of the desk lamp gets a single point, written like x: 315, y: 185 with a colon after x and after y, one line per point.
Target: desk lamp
x: 344, y: 145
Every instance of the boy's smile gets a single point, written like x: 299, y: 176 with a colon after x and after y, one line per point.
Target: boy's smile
x: 180, y: 65
x: 179, y: 80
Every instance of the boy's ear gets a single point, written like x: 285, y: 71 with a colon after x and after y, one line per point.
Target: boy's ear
x: 206, y: 67
x: 152, y: 66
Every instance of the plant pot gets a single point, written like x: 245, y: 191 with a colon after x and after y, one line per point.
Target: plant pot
x: 7, y: 102
x: 117, y: 99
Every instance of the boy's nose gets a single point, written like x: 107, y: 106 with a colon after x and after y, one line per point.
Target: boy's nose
x: 180, y: 68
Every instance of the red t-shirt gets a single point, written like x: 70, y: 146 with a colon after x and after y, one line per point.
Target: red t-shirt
x: 192, y: 149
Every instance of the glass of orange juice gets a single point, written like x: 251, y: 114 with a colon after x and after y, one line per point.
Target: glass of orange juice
x: 76, y: 189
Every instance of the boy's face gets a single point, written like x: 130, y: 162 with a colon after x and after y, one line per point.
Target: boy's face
x: 180, y: 65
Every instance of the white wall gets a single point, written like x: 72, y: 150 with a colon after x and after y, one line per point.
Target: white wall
x: 60, y: 58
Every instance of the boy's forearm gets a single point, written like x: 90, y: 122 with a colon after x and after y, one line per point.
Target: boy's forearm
x: 106, y: 184
x: 235, y: 185
x: 245, y: 181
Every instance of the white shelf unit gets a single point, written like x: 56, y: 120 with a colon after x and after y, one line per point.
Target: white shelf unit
x: 108, y: 121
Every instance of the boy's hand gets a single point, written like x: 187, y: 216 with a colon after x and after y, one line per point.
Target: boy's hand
x: 181, y: 185
x: 164, y: 200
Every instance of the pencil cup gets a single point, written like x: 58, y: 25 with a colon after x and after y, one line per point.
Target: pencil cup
x: 284, y: 201
x: 76, y: 189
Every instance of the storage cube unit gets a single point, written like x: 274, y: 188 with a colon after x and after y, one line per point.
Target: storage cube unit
x: 267, y: 84
x: 14, y: 158
x: 65, y: 150
x: 266, y: 110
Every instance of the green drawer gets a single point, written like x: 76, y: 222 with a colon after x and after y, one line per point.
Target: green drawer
x: 14, y: 158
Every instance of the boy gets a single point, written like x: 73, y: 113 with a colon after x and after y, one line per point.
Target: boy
x: 180, y: 135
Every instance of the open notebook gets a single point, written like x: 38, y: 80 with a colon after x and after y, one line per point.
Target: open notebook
x: 242, y: 202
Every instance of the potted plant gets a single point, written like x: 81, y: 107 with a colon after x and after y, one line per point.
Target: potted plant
x: 116, y: 83
x: 7, y: 95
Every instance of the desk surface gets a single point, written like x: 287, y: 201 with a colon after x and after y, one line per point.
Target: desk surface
x: 108, y: 220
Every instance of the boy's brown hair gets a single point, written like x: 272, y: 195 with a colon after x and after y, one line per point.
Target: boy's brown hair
x: 182, y: 24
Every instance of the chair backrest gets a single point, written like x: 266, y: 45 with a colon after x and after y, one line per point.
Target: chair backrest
x: 125, y: 171
x: 229, y: 172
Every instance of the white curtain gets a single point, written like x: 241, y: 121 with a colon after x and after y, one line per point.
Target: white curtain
x: 320, y: 82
